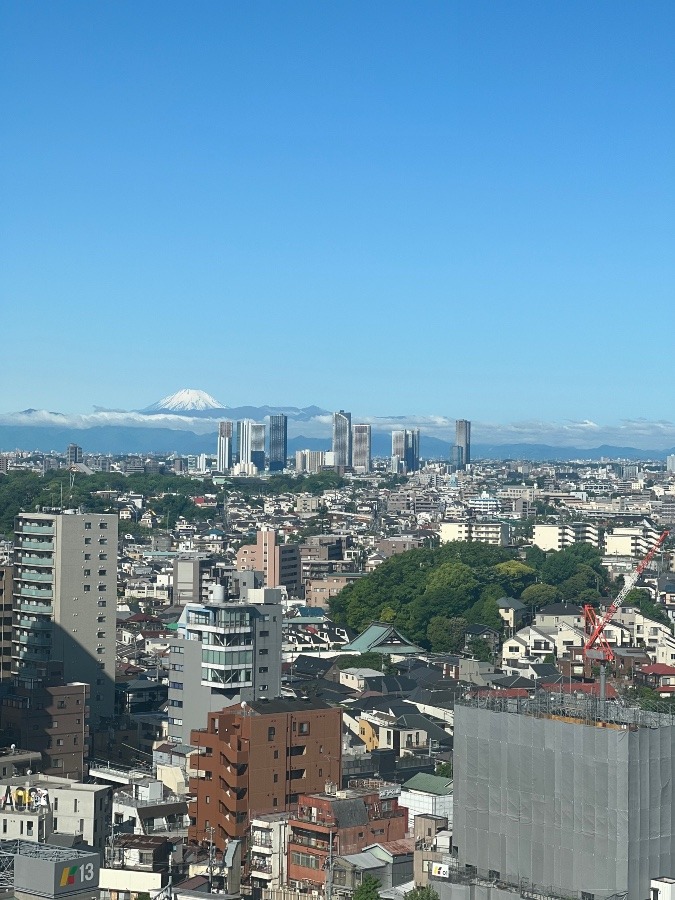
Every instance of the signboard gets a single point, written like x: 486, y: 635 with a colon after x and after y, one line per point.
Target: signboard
x: 70, y: 875
x: 440, y: 871
x: 391, y: 790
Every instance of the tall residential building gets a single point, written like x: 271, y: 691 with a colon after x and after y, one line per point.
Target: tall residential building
x: 6, y: 608
x: 224, y: 456
x: 65, y: 600
x: 572, y: 796
x: 279, y: 563
x: 342, y: 439
x: 73, y: 454
x: 258, y: 758
x: 463, y: 440
x: 405, y: 450
x: 251, y: 443
x: 311, y: 461
x: 278, y: 442
x: 223, y: 653
x: 361, y: 444
x: 670, y: 463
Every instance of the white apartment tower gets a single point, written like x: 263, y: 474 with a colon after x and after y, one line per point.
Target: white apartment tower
x: 65, y: 600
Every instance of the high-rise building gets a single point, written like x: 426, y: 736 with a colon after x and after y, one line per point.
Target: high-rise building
x: 342, y: 439
x: 361, y: 444
x: 405, y: 450
x: 224, y: 456
x: 278, y: 442
x: 463, y: 440
x: 311, y: 461
x: 670, y: 463
x: 251, y: 443
x: 569, y: 794
x: 223, y: 653
x: 73, y: 454
x: 65, y: 600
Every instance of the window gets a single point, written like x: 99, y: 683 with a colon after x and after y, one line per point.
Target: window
x: 87, y: 526
x: 87, y: 556
x: 59, y: 742
x: 276, y: 754
x: 275, y: 802
x: 103, y: 556
x: 263, y: 652
x: 87, y: 540
x: 87, y: 573
x: 102, y: 588
x: 102, y: 602
x: 103, y: 540
x: 262, y: 670
x: 276, y: 778
x: 271, y: 733
x: 102, y: 573
x: 264, y: 634
x: 61, y: 704
x: 86, y: 588
x: 304, y: 728
x: 320, y: 774
x: 102, y: 524
x: 75, y: 806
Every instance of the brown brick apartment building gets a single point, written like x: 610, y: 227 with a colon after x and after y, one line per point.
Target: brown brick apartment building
x: 259, y: 759
x: 352, y: 819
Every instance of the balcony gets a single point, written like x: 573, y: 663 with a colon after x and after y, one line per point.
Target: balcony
x: 34, y: 655
x: 27, y: 575
x: 36, y: 560
x: 235, y: 755
x: 34, y: 624
x: 261, y: 869
x: 30, y: 640
x: 43, y: 593
x: 37, y: 545
x: 43, y: 609
x: 37, y: 529
x: 261, y: 842
x: 304, y: 841
x: 233, y: 803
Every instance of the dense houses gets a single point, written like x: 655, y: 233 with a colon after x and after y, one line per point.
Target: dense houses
x: 228, y: 734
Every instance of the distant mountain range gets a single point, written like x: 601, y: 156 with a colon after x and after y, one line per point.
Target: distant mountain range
x: 186, y: 423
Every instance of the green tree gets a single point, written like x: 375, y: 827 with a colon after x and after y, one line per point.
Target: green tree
x: 538, y: 595
x: 446, y: 633
x: 370, y: 660
x: 444, y: 769
x: 421, y: 893
x: 368, y: 889
x: 515, y: 576
x: 481, y: 649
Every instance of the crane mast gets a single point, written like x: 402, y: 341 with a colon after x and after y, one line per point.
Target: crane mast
x: 595, y: 625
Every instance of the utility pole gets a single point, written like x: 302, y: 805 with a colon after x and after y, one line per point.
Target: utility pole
x: 210, y: 831
x: 329, y: 870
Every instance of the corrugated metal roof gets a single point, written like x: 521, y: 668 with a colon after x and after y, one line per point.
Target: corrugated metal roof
x: 429, y: 784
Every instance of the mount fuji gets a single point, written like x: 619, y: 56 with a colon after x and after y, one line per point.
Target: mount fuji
x: 187, y: 401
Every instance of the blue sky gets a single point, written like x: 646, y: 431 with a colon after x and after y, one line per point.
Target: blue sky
x: 456, y: 209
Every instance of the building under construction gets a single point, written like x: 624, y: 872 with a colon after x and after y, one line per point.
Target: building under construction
x: 570, y: 796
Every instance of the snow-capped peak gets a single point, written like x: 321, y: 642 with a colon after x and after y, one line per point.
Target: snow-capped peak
x: 187, y: 399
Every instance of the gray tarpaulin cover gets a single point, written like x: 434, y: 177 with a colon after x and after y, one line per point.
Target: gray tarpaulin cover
x: 571, y: 806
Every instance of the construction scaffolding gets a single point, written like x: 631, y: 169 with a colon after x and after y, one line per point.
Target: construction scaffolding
x: 574, y: 795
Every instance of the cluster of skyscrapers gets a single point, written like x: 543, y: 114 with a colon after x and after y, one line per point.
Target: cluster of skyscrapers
x: 351, y: 447
x: 248, y: 456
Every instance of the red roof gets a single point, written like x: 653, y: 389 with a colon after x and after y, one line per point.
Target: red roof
x: 657, y: 669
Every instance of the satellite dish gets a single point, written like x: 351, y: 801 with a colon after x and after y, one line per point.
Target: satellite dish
x: 12, y: 747
x: 243, y: 704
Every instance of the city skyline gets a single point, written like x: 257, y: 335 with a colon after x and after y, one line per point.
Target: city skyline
x: 491, y: 171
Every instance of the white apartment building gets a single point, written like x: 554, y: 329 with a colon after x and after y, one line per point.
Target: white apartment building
x: 627, y: 540
x: 268, y: 846
x: 496, y: 533
x: 558, y: 537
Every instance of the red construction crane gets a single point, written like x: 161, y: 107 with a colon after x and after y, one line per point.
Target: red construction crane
x: 595, y: 626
